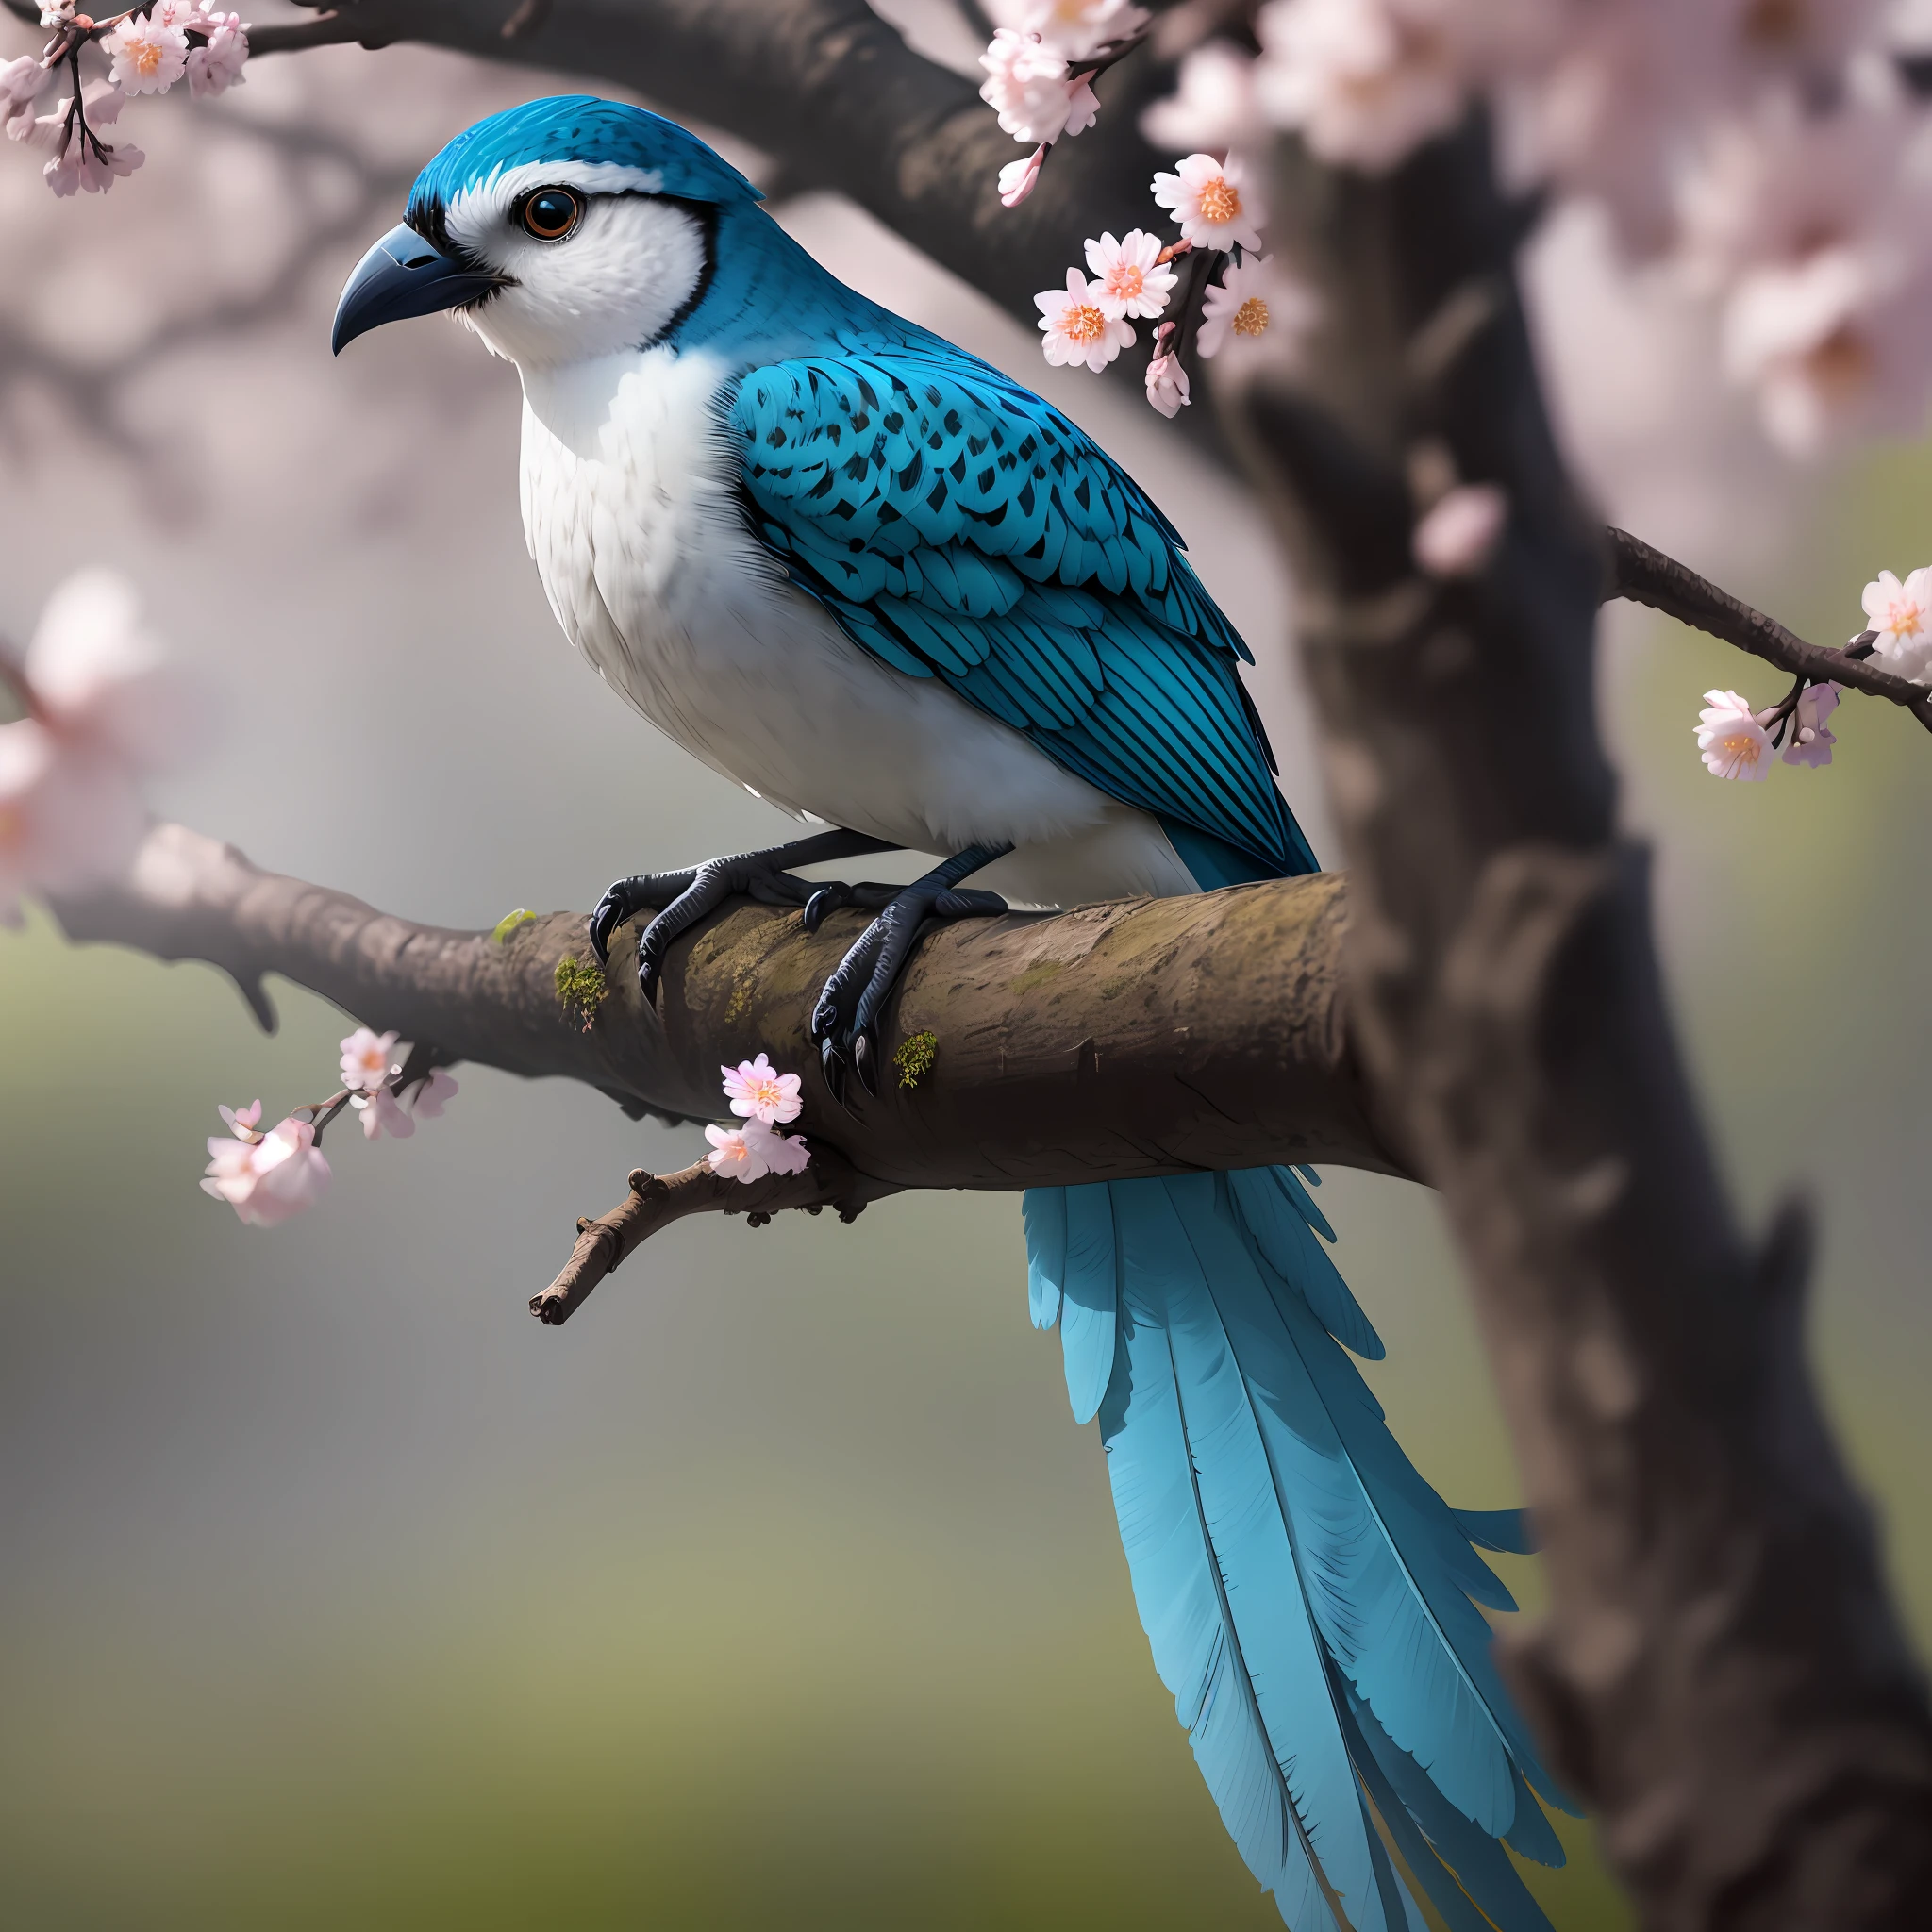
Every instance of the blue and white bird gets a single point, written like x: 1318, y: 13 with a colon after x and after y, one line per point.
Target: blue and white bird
x: 882, y: 585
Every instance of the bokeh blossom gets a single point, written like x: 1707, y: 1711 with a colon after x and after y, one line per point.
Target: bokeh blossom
x: 266, y: 1177
x: 369, y: 1057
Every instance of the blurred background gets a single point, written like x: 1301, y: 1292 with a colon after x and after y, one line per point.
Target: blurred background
x: 781, y: 1590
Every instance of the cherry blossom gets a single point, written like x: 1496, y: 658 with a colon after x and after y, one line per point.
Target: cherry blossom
x: 149, y: 56
x: 266, y: 1177
x: 1078, y: 29
x: 1215, y: 105
x: 780, y: 1153
x: 1256, y: 301
x: 1017, y: 178
x: 241, y: 1120
x: 1129, y: 275
x: 20, y: 84
x: 382, y: 1113
x: 216, y: 66
x: 1900, y: 614
x: 758, y: 1091
x: 1166, y: 384
x: 425, y: 1098
x: 1810, y: 742
x: 734, y: 1153
x: 1732, y: 739
x: 1363, y: 80
x: 370, y: 1058
x: 1213, y: 201
x: 1032, y: 91
x: 1460, y: 534
x: 1078, y: 331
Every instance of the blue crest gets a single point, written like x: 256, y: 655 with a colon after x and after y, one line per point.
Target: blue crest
x: 577, y: 127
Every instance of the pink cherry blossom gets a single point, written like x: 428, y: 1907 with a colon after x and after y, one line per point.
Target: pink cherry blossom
x: 758, y: 1091
x: 1215, y: 104
x: 1900, y: 613
x: 1130, y: 276
x: 1214, y: 202
x: 1079, y: 333
x: 1365, y: 81
x: 1256, y: 303
x: 1734, y: 742
x: 734, y: 1153
x: 780, y: 1153
x: 149, y: 56
x: 1032, y: 89
x: 1079, y: 29
x: 103, y: 679
x: 1461, y: 530
x: 269, y: 1177
x: 1810, y: 741
x: 368, y: 1059
x: 381, y: 1114
x: 70, y: 816
x: 216, y: 67
x: 241, y: 1120
x: 425, y: 1098
x: 1019, y: 178
x: 20, y: 84
x: 1167, y: 384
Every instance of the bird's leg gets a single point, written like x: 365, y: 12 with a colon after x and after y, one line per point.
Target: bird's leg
x: 680, y: 899
x: 842, y: 1021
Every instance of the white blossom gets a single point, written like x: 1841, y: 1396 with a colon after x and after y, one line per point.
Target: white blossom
x: 20, y: 84
x: 382, y: 1113
x: 733, y: 1153
x: 1810, y: 742
x: 1900, y: 614
x: 149, y: 56
x: 1032, y: 89
x: 216, y: 67
x: 1078, y: 332
x: 425, y: 1098
x: 1461, y: 530
x: 1129, y: 274
x: 1254, y: 303
x: 1733, y: 741
x: 1215, y: 203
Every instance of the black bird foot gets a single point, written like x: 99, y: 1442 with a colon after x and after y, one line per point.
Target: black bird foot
x: 845, y: 1021
x: 680, y: 899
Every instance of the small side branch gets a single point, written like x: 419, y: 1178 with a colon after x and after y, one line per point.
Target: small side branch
x: 657, y: 1200
x: 1646, y: 575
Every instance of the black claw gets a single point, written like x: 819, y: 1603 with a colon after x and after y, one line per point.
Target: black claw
x: 816, y: 908
x: 865, y: 1062
x: 833, y: 1065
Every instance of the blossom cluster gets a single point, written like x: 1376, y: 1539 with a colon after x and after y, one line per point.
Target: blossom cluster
x: 102, y: 709
x: 149, y: 48
x: 1764, y: 155
x: 268, y: 1177
x: 763, y: 1099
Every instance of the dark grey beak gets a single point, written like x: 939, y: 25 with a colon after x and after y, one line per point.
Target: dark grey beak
x: 402, y: 275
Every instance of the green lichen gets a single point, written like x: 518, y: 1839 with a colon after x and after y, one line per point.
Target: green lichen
x: 509, y: 922
x: 580, y: 991
x: 1038, y: 976
x: 915, y: 1057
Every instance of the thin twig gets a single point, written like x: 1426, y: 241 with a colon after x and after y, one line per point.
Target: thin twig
x: 1646, y: 575
x: 657, y: 1200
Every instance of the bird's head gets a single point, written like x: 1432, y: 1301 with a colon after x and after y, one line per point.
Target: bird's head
x: 560, y: 230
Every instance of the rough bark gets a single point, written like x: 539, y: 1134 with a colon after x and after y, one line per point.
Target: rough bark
x: 1141, y: 1037
x: 1721, y: 1676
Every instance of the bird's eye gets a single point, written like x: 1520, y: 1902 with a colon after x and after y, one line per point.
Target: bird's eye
x: 551, y: 214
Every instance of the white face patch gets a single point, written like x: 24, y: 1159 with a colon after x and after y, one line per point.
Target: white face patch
x: 613, y: 283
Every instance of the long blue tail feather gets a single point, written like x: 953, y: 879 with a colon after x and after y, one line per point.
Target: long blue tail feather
x: 1306, y: 1593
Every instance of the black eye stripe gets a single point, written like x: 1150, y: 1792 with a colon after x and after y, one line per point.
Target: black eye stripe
x: 550, y: 214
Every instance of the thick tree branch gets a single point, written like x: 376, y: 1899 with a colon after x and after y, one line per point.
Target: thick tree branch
x: 1135, y: 1038
x: 1721, y: 1675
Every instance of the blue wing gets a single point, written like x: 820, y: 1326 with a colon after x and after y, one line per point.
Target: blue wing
x: 958, y: 527
x: 1307, y: 1596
